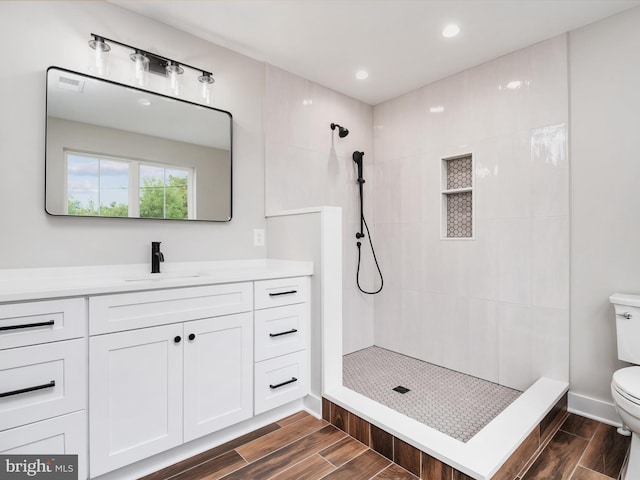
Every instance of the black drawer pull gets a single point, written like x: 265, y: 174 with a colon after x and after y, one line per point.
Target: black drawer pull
x: 177, y: 339
x: 51, y: 384
x: 293, y: 330
x: 293, y: 379
x: 28, y: 325
x: 192, y: 336
x: 288, y: 292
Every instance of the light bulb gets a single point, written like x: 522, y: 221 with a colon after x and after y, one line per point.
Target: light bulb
x: 205, y: 90
x: 100, y: 63
x: 174, y: 79
x: 139, y: 69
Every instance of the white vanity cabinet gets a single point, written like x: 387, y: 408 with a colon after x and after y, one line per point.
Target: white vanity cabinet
x: 154, y: 388
x: 281, y: 341
x: 43, y: 378
x: 118, y: 367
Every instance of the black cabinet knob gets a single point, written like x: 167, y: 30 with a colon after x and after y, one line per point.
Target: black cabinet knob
x: 192, y: 336
x: 177, y: 339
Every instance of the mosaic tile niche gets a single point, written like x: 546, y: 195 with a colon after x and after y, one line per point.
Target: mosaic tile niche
x: 458, y: 196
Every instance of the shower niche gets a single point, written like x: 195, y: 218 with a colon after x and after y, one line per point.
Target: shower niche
x: 457, y: 197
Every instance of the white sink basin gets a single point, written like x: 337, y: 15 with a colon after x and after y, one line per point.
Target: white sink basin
x: 161, y: 277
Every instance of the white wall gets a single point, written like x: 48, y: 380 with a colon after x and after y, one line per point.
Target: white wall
x: 497, y: 306
x: 40, y: 34
x: 605, y: 198
x: 308, y: 165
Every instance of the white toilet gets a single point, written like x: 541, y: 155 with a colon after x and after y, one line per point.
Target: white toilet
x: 625, y: 385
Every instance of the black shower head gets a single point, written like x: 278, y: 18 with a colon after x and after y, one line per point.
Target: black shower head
x: 342, y: 132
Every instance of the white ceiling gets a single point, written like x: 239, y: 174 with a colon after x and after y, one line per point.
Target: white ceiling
x: 398, y: 42
x: 133, y: 110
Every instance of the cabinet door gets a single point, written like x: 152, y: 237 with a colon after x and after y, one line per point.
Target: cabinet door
x: 218, y: 375
x: 135, y: 395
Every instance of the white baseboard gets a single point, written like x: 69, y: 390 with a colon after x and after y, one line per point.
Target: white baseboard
x: 313, y: 405
x: 592, y: 408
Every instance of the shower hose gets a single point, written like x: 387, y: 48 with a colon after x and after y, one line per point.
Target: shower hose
x: 359, y: 244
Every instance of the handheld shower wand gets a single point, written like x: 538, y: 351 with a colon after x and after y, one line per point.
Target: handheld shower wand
x: 358, y: 159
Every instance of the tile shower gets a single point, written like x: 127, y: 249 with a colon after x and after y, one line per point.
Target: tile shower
x: 495, y: 307
x: 491, y: 301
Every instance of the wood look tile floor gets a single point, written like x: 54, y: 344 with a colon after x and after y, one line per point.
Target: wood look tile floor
x: 302, y: 447
x: 581, y: 449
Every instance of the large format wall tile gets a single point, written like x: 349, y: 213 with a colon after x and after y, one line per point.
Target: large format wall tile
x: 550, y: 171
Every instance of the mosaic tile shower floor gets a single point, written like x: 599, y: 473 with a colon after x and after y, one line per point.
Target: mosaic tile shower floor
x: 456, y: 404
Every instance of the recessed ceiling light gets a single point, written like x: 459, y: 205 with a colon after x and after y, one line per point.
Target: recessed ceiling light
x: 362, y: 74
x: 450, y: 31
x: 144, y: 102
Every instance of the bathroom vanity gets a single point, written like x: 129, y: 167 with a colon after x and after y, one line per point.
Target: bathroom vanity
x: 118, y: 365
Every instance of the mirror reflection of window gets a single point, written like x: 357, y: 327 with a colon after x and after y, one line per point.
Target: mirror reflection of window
x: 164, y: 192
x: 109, y: 187
x: 97, y: 186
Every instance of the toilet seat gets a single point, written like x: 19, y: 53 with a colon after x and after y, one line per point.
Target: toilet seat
x: 625, y: 388
x: 625, y: 402
x: 626, y: 382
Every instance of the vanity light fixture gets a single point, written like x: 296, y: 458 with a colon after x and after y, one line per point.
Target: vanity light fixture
x: 145, y: 62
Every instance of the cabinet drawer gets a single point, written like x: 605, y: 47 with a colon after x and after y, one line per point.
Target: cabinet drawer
x: 42, y: 381
x: 281, y: 380
x: 281, y: 291
x: 127, y: 311
x: 64, y: 435
x: 281, y: 330
x: 30, y: 323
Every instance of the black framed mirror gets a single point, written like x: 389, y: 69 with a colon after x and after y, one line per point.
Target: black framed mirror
x: 113, y: 150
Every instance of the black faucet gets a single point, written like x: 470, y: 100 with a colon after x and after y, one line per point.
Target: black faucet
x: 156, y: 257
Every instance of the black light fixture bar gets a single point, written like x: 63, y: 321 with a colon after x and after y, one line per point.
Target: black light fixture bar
x: 157, y: 63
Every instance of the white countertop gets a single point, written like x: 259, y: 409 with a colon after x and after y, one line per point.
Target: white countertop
x: 40, y: 283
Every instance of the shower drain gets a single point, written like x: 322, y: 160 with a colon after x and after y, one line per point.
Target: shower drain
x: 401, y: 389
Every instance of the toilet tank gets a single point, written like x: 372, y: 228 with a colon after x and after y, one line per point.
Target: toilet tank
x: 627, y: 308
